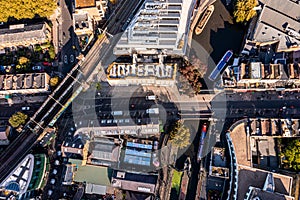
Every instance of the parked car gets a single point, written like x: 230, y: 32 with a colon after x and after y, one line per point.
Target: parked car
x: 25, y: 108
x: 48, y: 64
x: 36, y: 68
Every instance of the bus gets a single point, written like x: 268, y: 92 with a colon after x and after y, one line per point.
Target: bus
x: 221, y: 65
x: 201, y: 142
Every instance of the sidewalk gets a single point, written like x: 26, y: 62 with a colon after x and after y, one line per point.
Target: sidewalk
x: 23, y: 100
x: 184, y: 186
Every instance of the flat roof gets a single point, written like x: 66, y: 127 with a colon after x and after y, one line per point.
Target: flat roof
x: 254, y: 177
x: 91, y: 174
x: 145, y: 32
x: 273, y: 19
x: 84, y: 3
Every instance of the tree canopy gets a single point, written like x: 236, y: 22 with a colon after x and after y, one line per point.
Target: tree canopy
x: 26, y: 9
x: 180, y: 135
x: 244, y: 11
x: 54, y: 81
x: 17, y: 119
x: 292, y: 155
x: 23, y: 60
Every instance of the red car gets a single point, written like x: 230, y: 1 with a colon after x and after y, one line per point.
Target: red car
x: 47, y: 64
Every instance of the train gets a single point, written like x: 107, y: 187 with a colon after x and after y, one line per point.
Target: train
x: 201, y: 142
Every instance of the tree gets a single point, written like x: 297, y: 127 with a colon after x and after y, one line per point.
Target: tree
x: 23, y: 60
x: 113, y: 1
x: 54, y: 81
x: 244, y: 11
x: 17, y: 119
x: 26, y: 9
x: 291, y: 155
x: 180, y: 135
x: 51, y: 52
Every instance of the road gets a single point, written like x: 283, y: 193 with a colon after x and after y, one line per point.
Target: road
x: 52, y: 107
x: 67, y: 37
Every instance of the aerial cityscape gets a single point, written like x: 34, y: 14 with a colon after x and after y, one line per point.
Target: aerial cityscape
x: 150, y: 99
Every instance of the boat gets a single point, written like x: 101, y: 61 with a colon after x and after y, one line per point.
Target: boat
x: 201, y: 142
x: 204, y: 19
x: 221, y: 65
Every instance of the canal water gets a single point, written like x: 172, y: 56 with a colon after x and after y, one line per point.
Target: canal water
x: 220, y: 34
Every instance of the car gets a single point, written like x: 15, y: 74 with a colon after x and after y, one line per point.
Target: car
x: 71, y: 58
x: 36, y: 68
x: 25, y: 108
x: 47, y: 64
x: 52, y: 181
x: 66, y: 59
x: 54, y: 171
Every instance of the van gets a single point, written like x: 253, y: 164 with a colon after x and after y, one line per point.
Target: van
x: 152, y: 111
x: 151, y: 97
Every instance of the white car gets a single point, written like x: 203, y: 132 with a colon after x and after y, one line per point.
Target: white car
x: 25, y: 108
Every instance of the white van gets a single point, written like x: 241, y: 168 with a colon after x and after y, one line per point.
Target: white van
x: 151, y: 97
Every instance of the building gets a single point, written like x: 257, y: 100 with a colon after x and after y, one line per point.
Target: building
x: 259, y: 75
x: 249, y: 152
x: 159, y: 26
x: 97, y: 178
x: 94, y: 8
x: 69, y: 148
x: 24, y: 83
x: 218, y: 163
x: 103, y: 151
x: 24, y: 35
x: 3, y: 136
x: 267, y: 192
x: 142, y: 71
x: 83, y: 25
x: 139, y: 155
x: 17, y: 182
x: 278, y: 23
x: 134, y: 182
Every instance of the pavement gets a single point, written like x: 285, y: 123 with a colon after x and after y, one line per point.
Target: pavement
x: 184, y: 185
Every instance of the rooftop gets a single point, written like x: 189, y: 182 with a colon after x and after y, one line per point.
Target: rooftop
x: 249, y: 176
x: 158, y: 25
x: 142, y: 73
x: 24, y: 83
x: 134, y: 182
x: 84, y: 3
x: 273, y: 21
x: 20, y: 177
x: 22, y: 33
x: 261, y: 194
x: 97, y: 175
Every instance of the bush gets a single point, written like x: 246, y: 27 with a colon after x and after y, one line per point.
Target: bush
x: 17, y: 119
x: 291, y: 155
x: 54, y: 81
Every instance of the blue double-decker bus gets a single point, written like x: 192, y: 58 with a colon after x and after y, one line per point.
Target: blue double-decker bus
x: 221, y: 65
